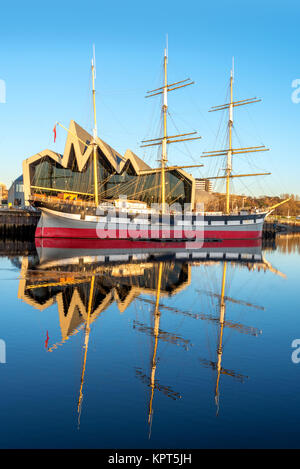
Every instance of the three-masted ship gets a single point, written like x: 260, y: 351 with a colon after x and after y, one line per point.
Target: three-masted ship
x: 130, y: 216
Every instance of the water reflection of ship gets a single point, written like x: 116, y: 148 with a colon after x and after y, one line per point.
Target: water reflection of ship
x: 222, y: 323
x: 85, y: 282
x: 85, y: 286
x: 157, y: 334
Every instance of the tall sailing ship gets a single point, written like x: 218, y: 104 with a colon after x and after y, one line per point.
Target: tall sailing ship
x: 91, y: 191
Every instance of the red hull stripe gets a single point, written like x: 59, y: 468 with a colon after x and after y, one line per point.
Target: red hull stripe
x: 73, y: 243
x: 123, y: 234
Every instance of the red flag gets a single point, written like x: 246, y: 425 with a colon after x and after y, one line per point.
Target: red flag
x: 47, y: 340
x: 54, y: 130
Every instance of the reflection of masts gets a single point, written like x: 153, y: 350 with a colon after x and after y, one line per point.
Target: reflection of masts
x: 208, y: 317
x: 86, y: 343
x: 227, y: 298
x: 273, y: 269
x: 222, y: 323
x: 219, y: 349
x: 156, y: 334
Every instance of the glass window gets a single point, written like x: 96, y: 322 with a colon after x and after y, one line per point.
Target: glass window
x: 47, y: 173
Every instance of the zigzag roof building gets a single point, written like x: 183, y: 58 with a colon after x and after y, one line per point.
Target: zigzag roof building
x: 60, y: 175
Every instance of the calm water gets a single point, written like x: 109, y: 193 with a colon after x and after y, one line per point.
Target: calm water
x: 151, y: 351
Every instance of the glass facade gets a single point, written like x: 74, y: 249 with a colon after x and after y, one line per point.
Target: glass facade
x: 147, y: 187
x: 47, y: 173
x: 51, y: 178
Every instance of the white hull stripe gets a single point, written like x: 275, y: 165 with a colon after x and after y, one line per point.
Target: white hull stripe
x: 54, y: 219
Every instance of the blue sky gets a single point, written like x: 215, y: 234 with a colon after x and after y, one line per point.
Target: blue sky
x: 45, y: 55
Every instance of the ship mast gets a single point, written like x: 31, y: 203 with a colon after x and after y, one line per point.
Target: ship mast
x: 230, y: 151
x: 164, y: 156
x: 94, y: 142
x: 167, y: 139
x: 95, y: 132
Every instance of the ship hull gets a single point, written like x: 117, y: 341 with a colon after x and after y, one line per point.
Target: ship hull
x: 62, y: 251
x: 54, y: 224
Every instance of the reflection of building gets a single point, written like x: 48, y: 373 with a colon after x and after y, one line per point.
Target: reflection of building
x: 16, y: 192
x: 289, y: 243
x: 83, y: 288
x: 85, y: 285
x: 63, y: 276
x: 71, y: 175
x: 120, y: 283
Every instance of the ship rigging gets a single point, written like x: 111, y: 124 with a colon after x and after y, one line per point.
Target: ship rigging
x: 81, y: 193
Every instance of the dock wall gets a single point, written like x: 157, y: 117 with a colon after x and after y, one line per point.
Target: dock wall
x: 18, y: 224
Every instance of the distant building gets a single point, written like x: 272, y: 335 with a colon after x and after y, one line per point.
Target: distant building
x: 203, y: 185
x: 3, y: 194
x: 16, y: 193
